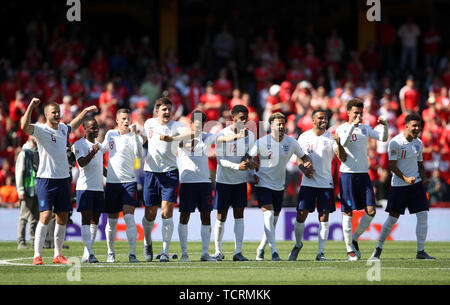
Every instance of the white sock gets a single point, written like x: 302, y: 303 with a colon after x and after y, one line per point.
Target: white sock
x: 86, y: 237
x: 148, y: 228
x: 386, y: 229
x: 299, y: 228
x: 263, y: 243
x: 364, y: 223
x: 323, y: 235
x: 167, y: 231
x: 60, y: 234
x: 238, y: 234
x: 219, y: 229
x: 110, y: 230
x: 93, y: 235
x: 205, y: 232
x: 421, y: 229
x: 131, y: 232
x: 269, y: 229
x: 347, y: 231
x: 39, y: 238
x: 183, y: 235
x: 94, y: 229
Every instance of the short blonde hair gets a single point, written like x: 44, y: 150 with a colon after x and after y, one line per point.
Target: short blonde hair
x: 277, y: 116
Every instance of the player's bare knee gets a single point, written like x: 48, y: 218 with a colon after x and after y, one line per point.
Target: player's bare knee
x: 238, y: 213
x: 222, y: 216
x: 301, y: 216
x: 205, y: 218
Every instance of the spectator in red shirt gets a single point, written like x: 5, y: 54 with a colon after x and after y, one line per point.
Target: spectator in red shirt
x: 295, y: 50
x: 409, y: 97
x: 8, y: 88
x: 210, y: 103
x: 195, y: 91
x: 99, y: 66
x: 5, y: 171
x: 108, y: 100
x: 263, y: 74
x: 297, y: 72
x: 223, y: 86
x: 371, y: 60
x: 17, y: 107
x: 52, y: 89
x: 312, y: 62
x: 77, y: 89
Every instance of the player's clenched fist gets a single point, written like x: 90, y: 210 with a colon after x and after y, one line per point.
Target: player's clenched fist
x: 35, y: 102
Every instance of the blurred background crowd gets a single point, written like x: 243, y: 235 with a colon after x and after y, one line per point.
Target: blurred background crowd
x: 267, y: 68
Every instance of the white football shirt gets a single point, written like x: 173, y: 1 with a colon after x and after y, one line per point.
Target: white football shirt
x: 407, y: 155
x: 91, y: 176
x: 161, y: 156
x: 123, y: 151
x: 356, y: 146
x: 273, y: 157
x: 229, y: 156
x: 320, y: 150
x: 52, y: 145
x: 193, y: 161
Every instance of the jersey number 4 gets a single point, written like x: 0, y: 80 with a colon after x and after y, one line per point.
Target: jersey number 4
x: 53, y: 138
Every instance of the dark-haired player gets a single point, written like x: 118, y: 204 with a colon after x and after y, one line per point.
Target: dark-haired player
x: 89, y: 188
x: 161, y: 176
x: 195, y: 188
x: 317, y: 191
x: 354, y: 183
x: 231, y: 180
x: 407, y: 185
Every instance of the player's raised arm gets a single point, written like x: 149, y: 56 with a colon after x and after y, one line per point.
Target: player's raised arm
x: 138, y: 149
x: 374, y: 134
x: 25, y: 123
x: 339, y: 150
x: 76, y: 122
x: 232, y: 137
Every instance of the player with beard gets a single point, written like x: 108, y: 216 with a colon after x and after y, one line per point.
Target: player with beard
x: 317, y: 190
x: 272, y: 152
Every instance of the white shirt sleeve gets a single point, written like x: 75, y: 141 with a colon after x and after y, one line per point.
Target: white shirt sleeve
x: 393, y: 150
x: 298, y: 150
x: 79, y: 150
x: 104, y: 145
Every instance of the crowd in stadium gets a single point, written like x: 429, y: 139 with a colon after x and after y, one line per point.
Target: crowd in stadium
x: 65, y: 67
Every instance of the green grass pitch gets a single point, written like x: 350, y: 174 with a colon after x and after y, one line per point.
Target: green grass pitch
x: 398, y: 266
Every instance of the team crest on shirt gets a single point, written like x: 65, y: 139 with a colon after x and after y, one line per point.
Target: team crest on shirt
x: 393, y: 152
x: 286, y: 148
x: 63, y: 132
x: 364, y: 131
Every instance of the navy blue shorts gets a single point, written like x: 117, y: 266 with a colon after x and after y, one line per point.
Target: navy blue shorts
x: 267, y: 196
x: 119, y: 194
x: 227, y: 195
x: 160, y: 187
x: 90, y: 201
x: 356, y: 191
x: 54, y: 194
x: 194, y: 195
x: 412, y: 197
x: 310, y: 197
